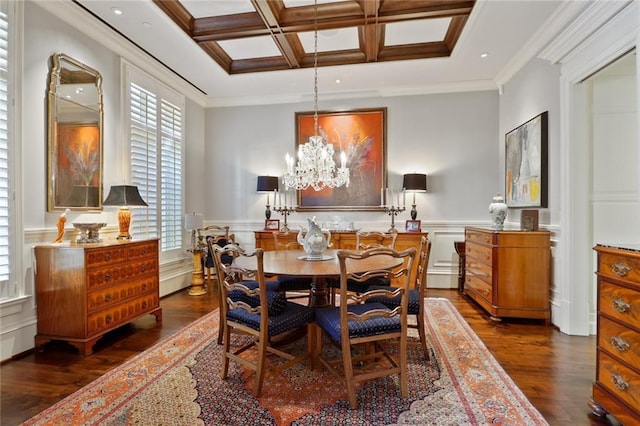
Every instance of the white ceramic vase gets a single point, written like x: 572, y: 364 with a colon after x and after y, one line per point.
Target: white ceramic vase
x: 498, y: 210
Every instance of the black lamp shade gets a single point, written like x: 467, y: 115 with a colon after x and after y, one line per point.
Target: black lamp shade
x: 267, y: 183
x: 415, y: 182
x: 124, y: 195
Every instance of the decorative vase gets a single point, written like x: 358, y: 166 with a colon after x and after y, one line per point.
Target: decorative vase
x: 315, y: 241
x: 498, y: 210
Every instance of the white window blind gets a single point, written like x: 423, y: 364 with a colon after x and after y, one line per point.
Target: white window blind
x: 5, y: 271
x: 155, y: 137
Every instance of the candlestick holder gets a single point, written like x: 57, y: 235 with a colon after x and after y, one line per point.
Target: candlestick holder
x: 285, y: 211
x: 393, y: 212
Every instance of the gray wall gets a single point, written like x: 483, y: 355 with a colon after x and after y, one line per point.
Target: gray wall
x: 450, y: 137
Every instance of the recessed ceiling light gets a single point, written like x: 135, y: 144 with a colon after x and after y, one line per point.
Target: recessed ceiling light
x: 484, y: 55
x: 146, y: 24
x: 116, y: 11
x: 338, y: 81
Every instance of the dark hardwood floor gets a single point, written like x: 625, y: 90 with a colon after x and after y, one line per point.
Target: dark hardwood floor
x: 554, y: 371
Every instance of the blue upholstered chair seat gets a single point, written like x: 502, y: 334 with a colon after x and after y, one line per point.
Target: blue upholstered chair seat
x: 414, y: 300
x: 329, y: 319
x: 276, y: 301
x: 294, y: 316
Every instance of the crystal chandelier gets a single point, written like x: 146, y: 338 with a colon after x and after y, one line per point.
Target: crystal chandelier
x: 316, y: 167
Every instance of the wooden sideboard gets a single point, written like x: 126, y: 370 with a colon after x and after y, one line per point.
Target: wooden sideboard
x: 341, y: 240
x: 616, y: 390
x: 85, y: 290
x: 508, y: 272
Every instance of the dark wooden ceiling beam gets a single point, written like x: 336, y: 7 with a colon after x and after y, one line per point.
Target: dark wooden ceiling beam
x: 288, y: 44
x: 177, y: 12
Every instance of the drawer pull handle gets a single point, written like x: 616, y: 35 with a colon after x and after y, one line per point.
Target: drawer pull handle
x: 107, y: 298
x: 144, y: 251
x: 107, y: 257
x: 619, y: 382
x: 144, y: 286
x: 620, y: 269
x: 144, y: 305
x: 619, y: 343
x: 107, y: 276
x: 108, y: 319
x: 143, y: 268
x: 621, y: 306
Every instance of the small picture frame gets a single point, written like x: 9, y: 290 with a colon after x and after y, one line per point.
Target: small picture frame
x: 272, y: 224
x: 529, y: 220
x: 412, y: 226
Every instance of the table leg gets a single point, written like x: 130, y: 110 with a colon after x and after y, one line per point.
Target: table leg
x: 319, y: 292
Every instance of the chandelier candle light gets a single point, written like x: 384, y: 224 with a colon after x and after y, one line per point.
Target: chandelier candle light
x: 315, y: 167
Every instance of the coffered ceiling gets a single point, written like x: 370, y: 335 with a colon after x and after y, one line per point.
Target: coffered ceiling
x: 362, y: 31
x: 240, y: 52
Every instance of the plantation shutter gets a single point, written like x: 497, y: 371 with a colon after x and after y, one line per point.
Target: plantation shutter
x: 144, y: 159
x: 171, y: 176
x: 155, y: 137
x: 5, y: 271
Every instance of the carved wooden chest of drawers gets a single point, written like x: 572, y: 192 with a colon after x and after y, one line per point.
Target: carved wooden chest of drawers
x: 85, y: 290
x: 508, y: 272
x: 617, y: 387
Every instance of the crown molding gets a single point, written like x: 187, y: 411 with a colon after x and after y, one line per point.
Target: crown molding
x: 594, y: 16
x: 80, y: 19
x: 465, y: 86
x: 564, y: 14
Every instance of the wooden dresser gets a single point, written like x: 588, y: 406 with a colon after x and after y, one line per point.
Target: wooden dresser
x: 508, y: 272
x: 617, y: 387
x: 85, y: 290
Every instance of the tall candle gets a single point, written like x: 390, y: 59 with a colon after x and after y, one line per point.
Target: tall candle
x: 381, y: 196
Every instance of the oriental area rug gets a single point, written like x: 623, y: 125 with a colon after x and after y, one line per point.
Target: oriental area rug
x: 177, y: 382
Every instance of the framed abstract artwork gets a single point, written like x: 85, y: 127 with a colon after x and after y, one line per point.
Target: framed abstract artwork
x: 361, y: 134
x: 526, y: 166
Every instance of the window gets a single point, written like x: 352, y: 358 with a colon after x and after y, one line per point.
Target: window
x: 155, y: 120
x: 8, y: 285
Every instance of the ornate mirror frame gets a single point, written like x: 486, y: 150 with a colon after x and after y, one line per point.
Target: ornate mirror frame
x: 74, y: 136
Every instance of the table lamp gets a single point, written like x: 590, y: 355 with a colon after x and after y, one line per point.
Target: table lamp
x: 268, y: 184
x: 124, y: 196
x: 414, y: 182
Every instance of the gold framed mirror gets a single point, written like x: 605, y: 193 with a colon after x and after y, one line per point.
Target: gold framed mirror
x: 74, y: 136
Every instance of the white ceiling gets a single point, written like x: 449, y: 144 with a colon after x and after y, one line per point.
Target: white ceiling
x: 504, y: 29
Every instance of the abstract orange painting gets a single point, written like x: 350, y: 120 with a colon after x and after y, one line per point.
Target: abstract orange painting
x: 361, y: 135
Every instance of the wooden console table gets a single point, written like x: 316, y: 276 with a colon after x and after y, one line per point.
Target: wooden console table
x: 85, y: 290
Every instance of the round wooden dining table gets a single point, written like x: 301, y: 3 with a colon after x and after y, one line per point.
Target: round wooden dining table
x: 294, y: 263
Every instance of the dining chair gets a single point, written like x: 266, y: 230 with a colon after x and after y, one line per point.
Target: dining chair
x: 218, y: 235
x: 288, y: 241
x: 366, y: 240
x: 357, y: 320
x: 417, y: 293
x: 226, y: 258
x: 259, y: 313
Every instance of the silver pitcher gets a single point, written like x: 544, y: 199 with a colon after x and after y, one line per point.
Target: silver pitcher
x: 315, y: 241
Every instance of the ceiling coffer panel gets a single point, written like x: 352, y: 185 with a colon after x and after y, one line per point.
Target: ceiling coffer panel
x: 283, y: 24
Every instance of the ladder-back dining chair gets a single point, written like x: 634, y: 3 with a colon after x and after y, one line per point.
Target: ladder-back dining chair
x: 417, y: 293
x: 218, y: 235
x: 357, y: 320
x: 259, y: 313
x: 227, y: 258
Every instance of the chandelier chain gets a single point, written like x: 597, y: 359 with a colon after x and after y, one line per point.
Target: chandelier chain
x: 316, y: 166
